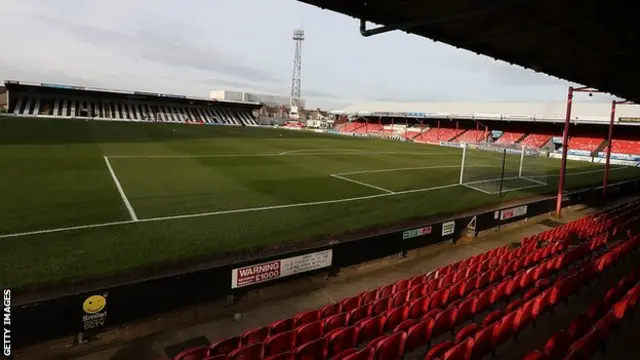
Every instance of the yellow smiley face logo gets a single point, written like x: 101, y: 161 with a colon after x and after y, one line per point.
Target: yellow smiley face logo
x: 94, y: 304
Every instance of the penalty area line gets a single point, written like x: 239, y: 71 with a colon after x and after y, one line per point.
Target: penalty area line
x: 222, y: 212
x: 361, y: 183
x: 125, y: 200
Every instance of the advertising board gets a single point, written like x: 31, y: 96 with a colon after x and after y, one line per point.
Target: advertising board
x: 513, y: 212
x: 276, y: 269
x: 409, y: 234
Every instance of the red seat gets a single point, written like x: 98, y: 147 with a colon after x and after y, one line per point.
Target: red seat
x: 558, y: 344
x: 371, y: 328
x: 504, y: 329
x: 336, y: 321
x: 331, y: 310
x: 492, y: 317
x: 280, y: 326
x: 456, y: 291
x: 194, y: 353
x: 279, y: 343
x: 368, y: 297
x: 400, y: 298
x: 405, y: 325
x: 224, y: 347
x: 255, y: 335
x: 401, y: 285
x: 580, y: 326
x: 584, y: 348
x: 215, y: 357
x: 438, y: 350
x: 524, y: 316
x: 350, y: 303
x: 431, y: 314
x: 342, y: 339
x: 444, y: 322
x: 536, y: 355
x: 307, y: 317
x: 395, y: 317
x: 483, y: 342
x: 467, y: 331
x: 465, y: 311
x: 392, y: 347
x: 345, y: 353
x: 483, y: 301
x: 380, y: 306
x: 309, y: 332
x: 419, y: 307
x: 313, y: 350
x: 388, y: 290
x: 439, y: 299
x: 360, y: 313
x: 418, y: 291
x: 283, y: 356
x: 461, y: 351
x: 419, y: 335
x: 364, y: 354
x: 251, y: 352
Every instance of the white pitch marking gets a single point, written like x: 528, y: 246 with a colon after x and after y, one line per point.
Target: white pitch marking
x: 361, y: 183
x: 236, y: 211
x: 125, y: 200
x: 222, y: 212
x: 410, y: 168
x: 327, y: 151
x: 275, y: 154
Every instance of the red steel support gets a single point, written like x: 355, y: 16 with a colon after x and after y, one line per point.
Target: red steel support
x: 605, y: 178
x: 565, y: 147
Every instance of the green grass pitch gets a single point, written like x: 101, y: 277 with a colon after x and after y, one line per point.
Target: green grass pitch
x: 89, y: 198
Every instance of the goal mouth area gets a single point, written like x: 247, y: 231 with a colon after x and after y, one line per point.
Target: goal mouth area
x: 504, y: 185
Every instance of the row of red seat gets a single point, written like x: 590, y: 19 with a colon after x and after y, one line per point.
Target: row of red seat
x: 590, y: 329
x: 398, y: 306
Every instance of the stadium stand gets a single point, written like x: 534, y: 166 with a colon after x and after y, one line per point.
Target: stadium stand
x: 33, y: 100
x: 585, y: 143
x: 435, y: 135
x: 351, y: 126
x: 537, y: 140
x: 472, y: 136
x: 472, y: 308
x: 509, y: 137
x: 369, y: 128
x: 622, y: 146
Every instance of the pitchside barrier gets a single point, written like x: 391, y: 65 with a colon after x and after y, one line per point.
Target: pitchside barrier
x: 99, y: 308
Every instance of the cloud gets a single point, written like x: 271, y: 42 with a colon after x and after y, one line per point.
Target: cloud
x: 195, y: 46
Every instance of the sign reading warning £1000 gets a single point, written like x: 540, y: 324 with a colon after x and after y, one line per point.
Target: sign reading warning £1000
x: 276, y: 269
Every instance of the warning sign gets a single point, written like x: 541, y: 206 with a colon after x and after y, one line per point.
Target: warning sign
x: 280, y: 268
x: 448, y: 228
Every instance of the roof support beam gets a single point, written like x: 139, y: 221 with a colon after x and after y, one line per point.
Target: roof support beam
x: 424, y: 22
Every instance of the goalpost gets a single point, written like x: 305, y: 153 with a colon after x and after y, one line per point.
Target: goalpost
x: 497, y: 169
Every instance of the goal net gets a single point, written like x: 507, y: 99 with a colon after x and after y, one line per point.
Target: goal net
x: 497, y: 169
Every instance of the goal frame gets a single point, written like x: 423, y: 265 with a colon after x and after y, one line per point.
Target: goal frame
x: 501, y: 191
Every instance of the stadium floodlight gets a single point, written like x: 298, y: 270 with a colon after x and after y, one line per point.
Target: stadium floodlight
x: 497, y: 169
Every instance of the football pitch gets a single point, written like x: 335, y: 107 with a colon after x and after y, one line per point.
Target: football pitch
x: 90, y: 198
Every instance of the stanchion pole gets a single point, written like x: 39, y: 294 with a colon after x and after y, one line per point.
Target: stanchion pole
x: 605, y: 178
x: 565, y: 140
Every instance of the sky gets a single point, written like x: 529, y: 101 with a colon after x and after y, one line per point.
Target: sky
x: 192, y: 47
